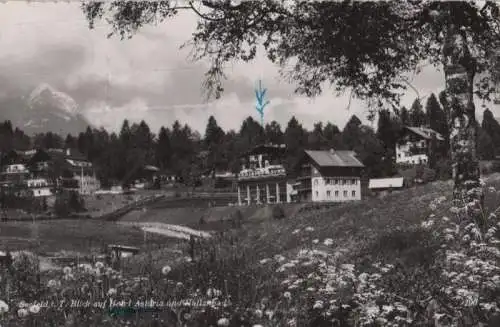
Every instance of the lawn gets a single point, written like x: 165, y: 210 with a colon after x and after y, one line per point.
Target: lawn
x: 72, y: 235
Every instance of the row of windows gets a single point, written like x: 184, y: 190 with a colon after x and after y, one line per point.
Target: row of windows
x: 329, y: 194
x: 333, y: 181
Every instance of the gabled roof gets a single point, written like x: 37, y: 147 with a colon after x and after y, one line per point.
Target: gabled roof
x: 425, y: 132
x: 277, y: 149
x: 331, y: 158
x: 376, y: 183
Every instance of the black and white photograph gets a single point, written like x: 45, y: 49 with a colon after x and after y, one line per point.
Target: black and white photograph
x: 232, y: 163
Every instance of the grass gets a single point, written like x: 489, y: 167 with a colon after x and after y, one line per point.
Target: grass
x: 387, y: 230
x: 72, y: 235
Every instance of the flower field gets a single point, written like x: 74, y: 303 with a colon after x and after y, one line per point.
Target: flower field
x: 410, y: 259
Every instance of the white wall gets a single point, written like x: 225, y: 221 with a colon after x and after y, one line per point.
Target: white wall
x: 37, y: 182
x: 403, y: 154
x: 336, y: 189
x: 15, y: 168
x: 39, y: 192
x: 87, y: 184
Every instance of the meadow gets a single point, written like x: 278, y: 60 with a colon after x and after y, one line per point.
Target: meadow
x: 409, y: 259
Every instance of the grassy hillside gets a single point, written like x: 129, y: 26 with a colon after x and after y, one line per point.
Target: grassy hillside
x: 409, y: 259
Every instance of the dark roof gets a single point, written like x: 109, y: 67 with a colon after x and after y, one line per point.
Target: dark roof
x: 425, y: 133
x: 267, y: 148
x: 17, y: 156
x: 332, y: 158
x: 61, y: 153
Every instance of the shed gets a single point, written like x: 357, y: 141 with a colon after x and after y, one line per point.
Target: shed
x: 122, y: 251
x: 382, y: 184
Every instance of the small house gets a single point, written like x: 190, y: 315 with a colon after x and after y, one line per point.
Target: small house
x: 383, y: 186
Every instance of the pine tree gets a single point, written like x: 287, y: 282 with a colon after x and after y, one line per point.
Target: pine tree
x: 163, y: 149
x: 417, y: 114
x: 273, y: 132
x: 491, y: 126
x: 485, y: 146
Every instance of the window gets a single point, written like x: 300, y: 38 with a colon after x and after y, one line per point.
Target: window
x: 317, y: 194
x: 344, y: 182
x: 353, y: 182
x: 399, y: 155
x: 328, y: 193
x: 345, y: 194
x: 353, y: 194
x: 336, y: 181
x: 315, y: 182
x: 336, y: 193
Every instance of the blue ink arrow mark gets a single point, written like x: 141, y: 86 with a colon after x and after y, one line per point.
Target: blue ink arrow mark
x: 261, y: 103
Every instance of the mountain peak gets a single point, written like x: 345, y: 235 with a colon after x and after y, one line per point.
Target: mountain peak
x: 45, y: 94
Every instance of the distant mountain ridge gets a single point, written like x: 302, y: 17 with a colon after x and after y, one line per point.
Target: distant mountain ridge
x: 45, y: 109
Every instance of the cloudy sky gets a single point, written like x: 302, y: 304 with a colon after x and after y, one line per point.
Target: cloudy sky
x: 148, y: 77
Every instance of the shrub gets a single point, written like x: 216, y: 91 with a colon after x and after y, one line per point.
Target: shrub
x: 278, y: 212
x: 237, y: 219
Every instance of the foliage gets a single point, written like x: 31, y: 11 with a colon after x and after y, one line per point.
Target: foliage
x: 67, y: 203
x: 293, y: 34
x: 278, y: 212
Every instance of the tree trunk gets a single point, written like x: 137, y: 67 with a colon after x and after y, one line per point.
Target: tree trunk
x: 459, y: 68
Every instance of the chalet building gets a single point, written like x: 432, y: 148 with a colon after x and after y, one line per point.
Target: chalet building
x: 413, y: 146
x: 327, y: 176
x: 15, y: 168
x: 39, y: 187
x: 263, y: 178
x: 66, y: 169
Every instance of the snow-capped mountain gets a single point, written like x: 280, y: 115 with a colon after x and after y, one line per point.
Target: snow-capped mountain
x: 45, y: 94
x: 45, y: 109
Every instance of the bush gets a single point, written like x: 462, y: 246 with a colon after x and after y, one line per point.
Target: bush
x: 278, y: 212
x: 495, y: 167
x: 237, y: 219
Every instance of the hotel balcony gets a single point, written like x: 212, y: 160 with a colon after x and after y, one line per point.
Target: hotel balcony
x: 262, y: 173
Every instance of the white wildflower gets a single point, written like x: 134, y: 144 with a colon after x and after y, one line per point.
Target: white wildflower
x: 257, y: 325
x: 309, y: 229
x: 428, y: 223
x: 166, y: 270
x: 287, y: 295
x: 264, y: 261
x: 387, y: 308
x: 67, y: 270
x: 34, y: 309
x: 223, y: 322
x: 328, y: 242
x: 372, y: 311
x: 99, y: 265
x: 315, y: 241
x: 22, y: 313
x: 4, y: 307
x: 296, y: 231
x: 279, y: 258
x: 269, y: 314
x: 22, y: 304
x: 258, y: 313
x: 111, y: 291
x: 318, y: 305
